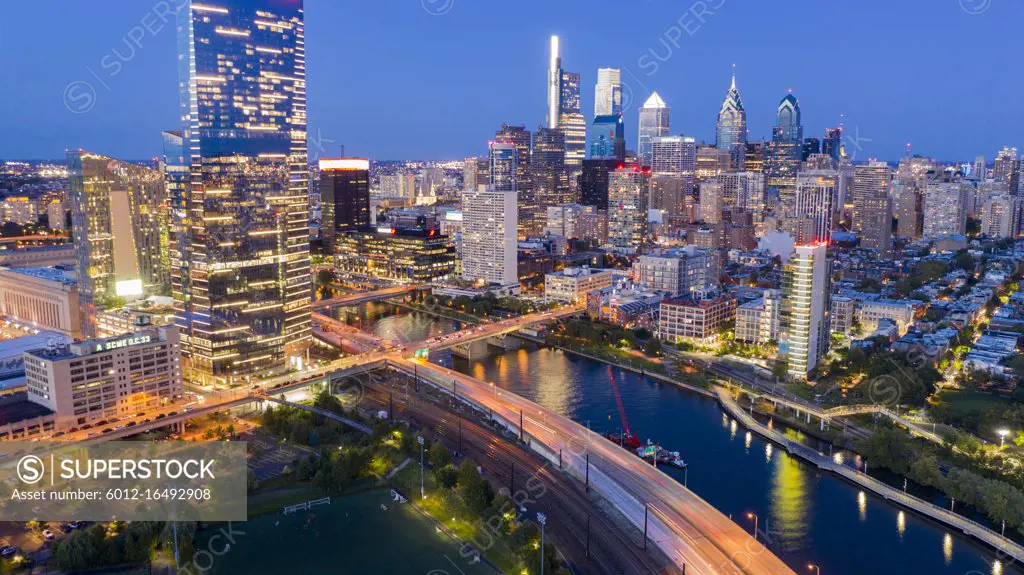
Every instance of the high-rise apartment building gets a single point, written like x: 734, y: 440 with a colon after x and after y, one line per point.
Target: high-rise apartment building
x: 945, y: 209
x: 503, y: 166
x: 908, y: 209
x: 489, y: 238
x: 244, y: 295
x: 870, y: 181
x: 804, y: 325
x: 119, y: 221
x: 689, y: 271
x: 655, y: 118
x: 608, y: 92
x: 344, y: 197
x: 815, y: 192
x: 997, y: 216
x: 629, y: 189
x: 677, y: 156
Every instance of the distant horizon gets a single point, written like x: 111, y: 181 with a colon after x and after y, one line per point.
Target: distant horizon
x: 425, y: 81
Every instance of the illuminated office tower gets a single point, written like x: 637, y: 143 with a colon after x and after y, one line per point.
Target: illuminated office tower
x: 945, y: 209
x: 119, y: 222
x: 607, y: 138
x: 655, y: 118
x: 803, y: 322
x: 472, y: 176
x: 916, y: 170
x: 628, y: 191
x: 785, y: 148
x: 815, y: 192
x: 503, y: 166
x: 243, y: 307
x: 870, y: 181
x: 731, y: 130
x: 564, y: 108
x: 755, y: 159
x: 810, y: 147
x: 710, y: 162
x: 832, y: 145
x: 345, y: 197
x: 489, y: 242
x: 608, y: 92
x: 548, y: 175
x: 530, y: 216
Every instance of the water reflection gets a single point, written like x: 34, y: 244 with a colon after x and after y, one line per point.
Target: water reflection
x: 901, y: 523
x: 947, y: 548
x: 746, y: 441
x: 789, y: 503
x: 862, y: 505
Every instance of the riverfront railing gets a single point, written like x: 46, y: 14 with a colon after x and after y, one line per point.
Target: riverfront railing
x: 926, y: 508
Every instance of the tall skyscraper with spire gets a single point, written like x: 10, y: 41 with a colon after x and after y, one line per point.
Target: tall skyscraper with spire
x: 564, y: 108
x: 240, y: 259
x: 731, y: 130
x: 608, y: 92
x: 654, y: 123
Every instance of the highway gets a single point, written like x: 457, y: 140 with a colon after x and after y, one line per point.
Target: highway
x: 365, y: 296
x: 692, y: 533
x: 612, y: 550
x: 688, y: 529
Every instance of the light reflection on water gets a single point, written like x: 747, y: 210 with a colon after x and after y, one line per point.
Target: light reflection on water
x: 808, y: 513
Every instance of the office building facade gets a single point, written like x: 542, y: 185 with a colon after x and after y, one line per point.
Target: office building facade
x: 243, y: 304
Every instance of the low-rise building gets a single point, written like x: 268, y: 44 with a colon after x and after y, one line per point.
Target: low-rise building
x: 683, y: 319
x: 571, y: 285
x: 625, y: 305
x: 757, y: 321
x: 412, y: 255
x: 991, y: 349
x: 99, y: 379
x: 44, y: 298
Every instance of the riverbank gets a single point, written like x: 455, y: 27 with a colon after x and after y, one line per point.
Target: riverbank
x: 920, y: 506
x: 944, y: 516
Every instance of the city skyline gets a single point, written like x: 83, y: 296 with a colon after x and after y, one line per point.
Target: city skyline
x: 130, y: 107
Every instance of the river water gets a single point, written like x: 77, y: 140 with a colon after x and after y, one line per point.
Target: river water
x: 809, y: 516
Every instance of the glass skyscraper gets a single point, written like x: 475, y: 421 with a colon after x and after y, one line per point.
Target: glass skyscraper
x: 608, y: 138
x: 564, y: 108
x: 608, y: 92
x: 241, y: 249
x: 731, y: 130
x: 654, y: 123
x: 785, y: 149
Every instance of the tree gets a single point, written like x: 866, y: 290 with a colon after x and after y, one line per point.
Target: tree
x: 439, y: 456
x: 653, y: 347
x: 476, y: 492
x: 325, y: 277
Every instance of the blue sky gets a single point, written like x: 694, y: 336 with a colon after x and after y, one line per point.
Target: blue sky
x: 433, y: 79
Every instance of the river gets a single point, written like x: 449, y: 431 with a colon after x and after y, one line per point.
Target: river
x: 809, y: 516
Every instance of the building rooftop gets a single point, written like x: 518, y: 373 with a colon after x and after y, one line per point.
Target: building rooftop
x: 45, y: 273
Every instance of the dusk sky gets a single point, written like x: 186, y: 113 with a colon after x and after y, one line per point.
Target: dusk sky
x: 391, y: 79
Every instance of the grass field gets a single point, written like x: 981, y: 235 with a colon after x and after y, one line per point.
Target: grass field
x: 352, y: 535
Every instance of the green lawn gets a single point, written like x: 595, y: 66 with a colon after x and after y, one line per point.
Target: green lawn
x: 353, y: 535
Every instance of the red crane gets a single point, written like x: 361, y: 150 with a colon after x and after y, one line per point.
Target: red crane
x: 626, y: 438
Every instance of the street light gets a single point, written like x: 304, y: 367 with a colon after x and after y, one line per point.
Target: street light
x: 421, y: 441
x: 815, y: 568
x: 751, y: 515
x: 1002, y: 436
x: 542, y: 519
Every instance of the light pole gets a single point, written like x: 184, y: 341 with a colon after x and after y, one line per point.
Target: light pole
x: 1002, y: 436
x: 542, y: 519
x: 423, y: 493
x: 751, y: 515
x: 815, y: 568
